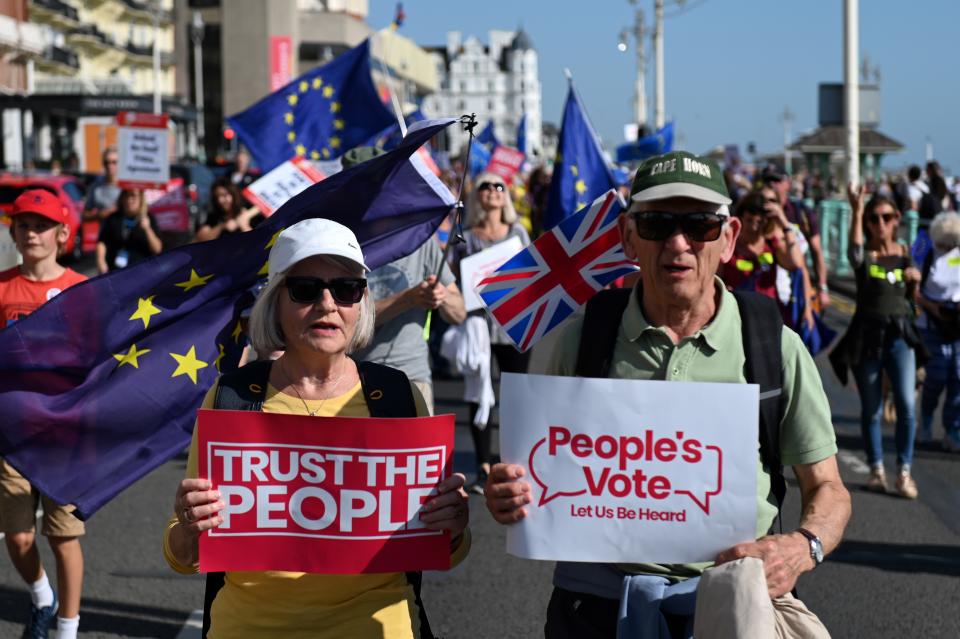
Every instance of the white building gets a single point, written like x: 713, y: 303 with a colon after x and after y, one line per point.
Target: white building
x: 499, y: 82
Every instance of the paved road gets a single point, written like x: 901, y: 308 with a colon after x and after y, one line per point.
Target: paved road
x: 896, y: 575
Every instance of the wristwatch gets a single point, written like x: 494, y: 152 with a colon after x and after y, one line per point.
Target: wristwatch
x: 816, y: 546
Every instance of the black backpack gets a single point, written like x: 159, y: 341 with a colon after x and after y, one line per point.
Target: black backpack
x: 387, y: 392
x: 762, y: 331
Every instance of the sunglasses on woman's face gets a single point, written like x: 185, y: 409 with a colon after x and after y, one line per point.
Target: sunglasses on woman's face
x: 886, y: 217
x: 658, y: 226
x: 307, y: 290
x: 486, y: 186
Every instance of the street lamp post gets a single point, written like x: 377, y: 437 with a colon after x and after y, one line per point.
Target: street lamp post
x: 658, y: 113
x: 157, y: 107
x: 851, y: 88
x: 196, y: 34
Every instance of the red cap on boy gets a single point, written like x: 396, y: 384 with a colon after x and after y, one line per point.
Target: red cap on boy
x: 41, y: 202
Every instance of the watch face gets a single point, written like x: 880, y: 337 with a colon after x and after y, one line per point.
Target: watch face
x: 816, y: 548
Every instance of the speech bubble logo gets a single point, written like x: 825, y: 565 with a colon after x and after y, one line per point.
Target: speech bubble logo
x: 557, y: 474
x: 705, y: 503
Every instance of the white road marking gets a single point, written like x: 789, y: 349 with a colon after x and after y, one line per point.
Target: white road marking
x: 193, y: 626
x: 853, y: 462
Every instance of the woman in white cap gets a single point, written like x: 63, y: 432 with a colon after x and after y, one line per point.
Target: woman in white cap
x: 316, y: 309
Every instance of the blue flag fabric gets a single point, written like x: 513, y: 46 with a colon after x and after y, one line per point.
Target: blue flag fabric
x: 391, y: 137
x: 580, y: 172
x: 487, y: 137
x: 647, y: 146
x: 479, y: 158
x: 101, y: 384
x: 522, y: 134
x: 320, y: 115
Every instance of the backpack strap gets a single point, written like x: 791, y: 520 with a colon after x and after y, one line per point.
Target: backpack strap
x: 601, y: 323
x: 387, y: 390
x: 762, y: 326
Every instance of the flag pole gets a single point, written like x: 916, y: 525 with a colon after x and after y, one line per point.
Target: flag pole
x: 469, y: 123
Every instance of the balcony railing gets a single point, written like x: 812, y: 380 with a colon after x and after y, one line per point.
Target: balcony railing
x: 58, y: 56
x: 58, y: 7
x: 141, y: 10
x: 90, y: 33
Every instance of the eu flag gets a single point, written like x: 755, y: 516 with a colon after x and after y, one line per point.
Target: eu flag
x: 648, y: 146
x: 522, y: 134
x: 390, y: 137
x: 320, y: 115
x: 580, y: 172
x: 488, y: 137
x: 101, y: 384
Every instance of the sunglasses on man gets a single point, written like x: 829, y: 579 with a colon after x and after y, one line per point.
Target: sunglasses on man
x: 658, y: 226
x: 486, y: 186
x: 307, y: 290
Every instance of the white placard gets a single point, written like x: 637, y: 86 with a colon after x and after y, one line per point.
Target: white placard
x: 144, y: 157
x: 476, y: 267
x: 274, y: 189
x: 630, y: 471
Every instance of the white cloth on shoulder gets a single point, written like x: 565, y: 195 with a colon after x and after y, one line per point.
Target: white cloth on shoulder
x: 467, y: 348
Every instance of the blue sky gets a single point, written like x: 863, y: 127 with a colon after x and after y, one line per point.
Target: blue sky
x: 731, y: 66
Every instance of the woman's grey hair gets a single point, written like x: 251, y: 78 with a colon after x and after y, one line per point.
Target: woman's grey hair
x: 945, y: 229
x: 475, y: 213
x: 264, y: 329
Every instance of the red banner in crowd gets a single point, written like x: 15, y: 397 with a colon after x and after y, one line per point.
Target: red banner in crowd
x: 281, y: 61
x: 324, y: 495
x: 505, y: 162
x: 169, y: 206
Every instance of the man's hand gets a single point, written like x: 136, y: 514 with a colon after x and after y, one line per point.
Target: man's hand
x: 506, y: 495
x: 824, y: 297
x: 429, y: 294
x: 784, y: 558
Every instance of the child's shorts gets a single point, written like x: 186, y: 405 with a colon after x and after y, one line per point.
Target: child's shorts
x: 18, y: 508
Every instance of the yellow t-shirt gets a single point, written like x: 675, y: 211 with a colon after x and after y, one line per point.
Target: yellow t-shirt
x: 296, y: 604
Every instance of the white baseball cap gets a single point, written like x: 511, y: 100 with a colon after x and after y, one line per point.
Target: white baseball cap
x: 313, y: 236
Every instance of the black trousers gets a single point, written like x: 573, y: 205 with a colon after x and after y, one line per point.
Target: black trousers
x: 574, y: 615
x: 509, y: 360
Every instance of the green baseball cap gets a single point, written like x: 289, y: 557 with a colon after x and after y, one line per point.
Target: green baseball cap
x: 679, y: 174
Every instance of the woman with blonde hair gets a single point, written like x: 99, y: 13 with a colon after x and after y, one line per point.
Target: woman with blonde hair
x: 491, y: 219
x: 317, y: 310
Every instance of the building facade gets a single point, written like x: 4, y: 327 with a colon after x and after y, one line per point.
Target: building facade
x: 96, y: 57
x: 500, y: 82
x: 249, y: 48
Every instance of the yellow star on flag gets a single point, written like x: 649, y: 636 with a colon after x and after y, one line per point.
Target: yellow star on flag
x: 130, y: 357
x: 317, y: 83
x: 216, y: 362
x: 304, y: 86
x: 194, y: 281
x: 326, y: 153
x: 237, y: 331
x: 145, y: 310
x: 335, y: 142
x: 265, y: 269
x: 334, y: 107
x: 291, y: 136
x: 292, y: 99
x: 314, y: 155
x: 580, y: 186
x: 327, y: 92
x: 273, y: 239
x: 301, y: 150
x: 188, y: 364
x: 580, y: 205
x: 338, y: 124
x: 288, y: 117
x: 574, y: 170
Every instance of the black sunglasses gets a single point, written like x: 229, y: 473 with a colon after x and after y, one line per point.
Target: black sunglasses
x: 887, y: 217
x: 486, y: 186
x: 657, y: 226
x: 307, y: 290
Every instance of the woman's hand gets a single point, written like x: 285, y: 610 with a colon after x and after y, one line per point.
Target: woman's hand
x: 911, y: 275
x: 198, y: 506
x: 449, y: 510
x: 144, y: 221
x: 856, y: 197
x: 775, y: 212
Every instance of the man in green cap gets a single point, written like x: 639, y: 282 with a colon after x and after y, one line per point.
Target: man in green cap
x: 679, y: 323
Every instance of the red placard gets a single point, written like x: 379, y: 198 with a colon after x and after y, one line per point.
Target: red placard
x: 331, y: 495
x: 169, y: 206
x: 281, y: 61
x: 143, y: 120
x: 505, y: 162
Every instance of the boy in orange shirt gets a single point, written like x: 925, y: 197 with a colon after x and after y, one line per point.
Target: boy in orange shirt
x: 40, y: 229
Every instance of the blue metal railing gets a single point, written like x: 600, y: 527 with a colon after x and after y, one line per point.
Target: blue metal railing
x: 834, y: 218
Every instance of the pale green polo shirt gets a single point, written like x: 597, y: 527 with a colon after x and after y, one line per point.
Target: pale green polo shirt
x: 715, y: 354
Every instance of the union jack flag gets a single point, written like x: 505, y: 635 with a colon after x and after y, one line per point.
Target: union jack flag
x: 546, y: 282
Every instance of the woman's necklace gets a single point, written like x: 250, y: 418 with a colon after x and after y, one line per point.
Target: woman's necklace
x: 311, y: 413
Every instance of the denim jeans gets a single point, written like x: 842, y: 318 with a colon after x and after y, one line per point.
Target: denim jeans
x: 899, y: 361
x: 943, y: 372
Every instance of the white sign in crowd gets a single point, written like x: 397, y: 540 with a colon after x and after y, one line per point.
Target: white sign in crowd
x: 631, y: 471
